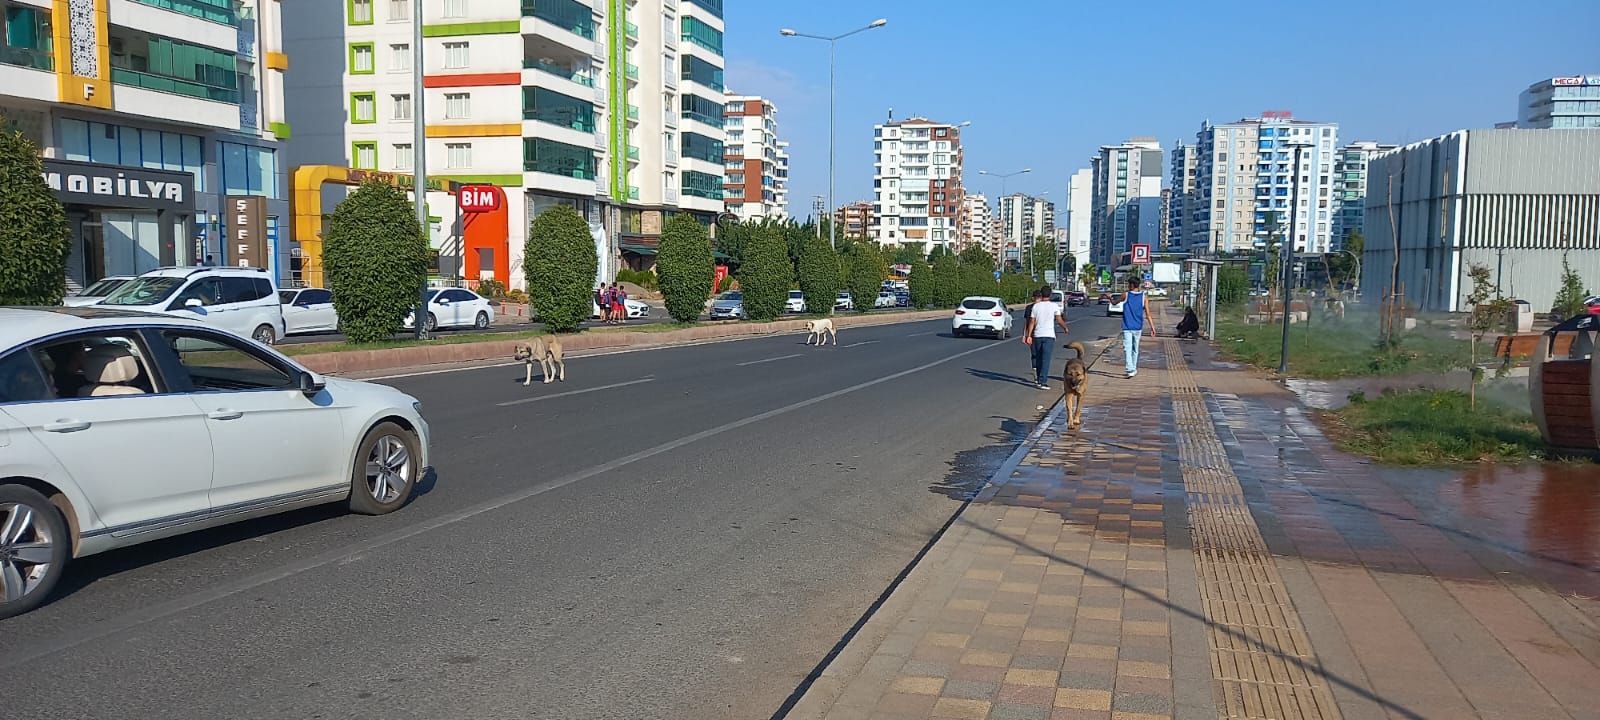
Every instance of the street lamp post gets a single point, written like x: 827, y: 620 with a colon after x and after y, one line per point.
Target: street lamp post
x: 1288, y: 256
x: 832, y: 40
x: 1000, y: 202
x: 419, y: 155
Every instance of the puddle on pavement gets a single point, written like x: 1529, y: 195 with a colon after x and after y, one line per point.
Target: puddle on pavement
x: 1335, y: 394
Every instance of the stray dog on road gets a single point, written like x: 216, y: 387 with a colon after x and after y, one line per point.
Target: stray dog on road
x: 546, y: 351
x: 822, y: 330
x: 1077, y: 381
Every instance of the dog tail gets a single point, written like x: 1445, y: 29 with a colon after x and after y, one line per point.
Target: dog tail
x: 1076, y: 346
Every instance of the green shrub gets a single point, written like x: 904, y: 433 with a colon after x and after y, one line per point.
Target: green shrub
x: 920, y: 285
x: 1569, y: 293
x: 645, y: 278
x: 867, y: 268
x: 687, y: 267
x: 376, y: 260
x: 560, y: 264
x: 34, y: 240
x: 946, y: 281
x: 517, y: 296
x: 766, y: 273
x: 493, y: 289
x: 1233, y: 286
x: 820, y: 275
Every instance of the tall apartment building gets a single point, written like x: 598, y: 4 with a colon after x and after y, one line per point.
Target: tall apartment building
x: 1245, y: 180
x: 149, y: 115
x: 1350, y: 190
x: 1023, y: 220
x: 1560, y: 103
x: 757, y: 162
x: 916, y: 182
x: 1126, y: 197
x: 614, y: 108
x: 976, y: 217
x: 1080, y: 215
x: 854, y: 220
x: 1181, y: 181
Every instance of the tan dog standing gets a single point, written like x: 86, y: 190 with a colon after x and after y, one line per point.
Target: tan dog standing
x: 821, y: 330
x: 1077, y: 382
x: 547, y: 353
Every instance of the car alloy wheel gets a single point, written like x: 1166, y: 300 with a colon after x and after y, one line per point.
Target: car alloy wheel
x: 482, y: 321
x: 33, y: 549
x: 433, y: 322
x: 386, y: 470
x: 264, y: 335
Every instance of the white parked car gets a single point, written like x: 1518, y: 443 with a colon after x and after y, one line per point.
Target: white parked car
x: 796, y: 302
x: 885, y: 300
x: 1156, y: 292
x: 1115, y: 307
x: 120, y: 427
x: 96, y: 291
x: 243, y: 301
x: 980, y: 315
x: 454, y: 307
x: 636, y: 309
x: 843, y: 301
x: 308, y: 310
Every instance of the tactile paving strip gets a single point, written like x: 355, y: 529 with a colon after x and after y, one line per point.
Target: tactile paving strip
x: 1261, y: 658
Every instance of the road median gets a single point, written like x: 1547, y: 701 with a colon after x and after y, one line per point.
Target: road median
x: 355, y: 361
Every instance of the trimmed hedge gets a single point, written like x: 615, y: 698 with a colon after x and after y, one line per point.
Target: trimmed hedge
x: 686, y: 266
x: 376, y: 259
x: 34, y: 240
x: 560, y: 264
x: 766, y: 274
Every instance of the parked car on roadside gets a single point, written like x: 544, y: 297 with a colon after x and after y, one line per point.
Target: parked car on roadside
x: 843, y: 301
x: 885, y: 300
x: 308, y: 310
x: 728, y: 306
x: 454, y: 307
x: 902, y: 298
x: 1593, y: 304
x: 121, y: 427
x: 636, y: 309
x: 96, y: 291
x: 796, y: 302
x: 981, y: 315
x: 1114, y: 306
x: 243, y: 301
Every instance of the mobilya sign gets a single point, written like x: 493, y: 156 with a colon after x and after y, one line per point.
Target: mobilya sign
x: 80, y: 183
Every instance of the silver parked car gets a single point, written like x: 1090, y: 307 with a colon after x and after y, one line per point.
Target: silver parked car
x: 728, y: 306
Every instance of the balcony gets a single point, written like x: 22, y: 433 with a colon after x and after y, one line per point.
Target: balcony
x: 670, y: 157
x: 669, y: 120
x: 633, y: 192
x: 633, y: 153
x: 632, y: 30
x: 28, y: 58
x: 165, y: 65
x: 569, y: 15
x: 217, y: 11
x: 631, y: 71
x: 670, y: 195
x: 561, y: 71
x: 633, y: 113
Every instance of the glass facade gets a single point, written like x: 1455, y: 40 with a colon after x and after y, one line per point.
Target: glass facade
x: 712, y: 6
x: 701, y: 147
x: 29, y: 41
x: 557, y: 109
x: 157, y: 63
x: 700, y: 71
x: 122, y: 145
x: 569, y: 14
x: 249, y: 170
x: 704, y: 185
x: 549, y: 156
x: 700, y: 109
x: 699, y: 33
x: 217, y: 11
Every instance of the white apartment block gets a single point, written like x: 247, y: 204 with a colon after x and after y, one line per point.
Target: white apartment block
x: 1023, y: 220
x: 1350, y: 190
x: 1126, y: 199
x: 1245, y: 181
x: 127, y: 95
x: 1080, y: 215
x: 976, y: 216
x: 917, y: 182
x: 613, y: 107
x: 757, y: 162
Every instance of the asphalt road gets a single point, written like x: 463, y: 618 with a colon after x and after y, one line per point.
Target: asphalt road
x: 678, y: 533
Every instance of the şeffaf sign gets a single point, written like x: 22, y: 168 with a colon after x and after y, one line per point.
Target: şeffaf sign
x: 117, y: 186
x: 247, y: 230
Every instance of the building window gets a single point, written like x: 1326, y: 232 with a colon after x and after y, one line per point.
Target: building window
x: 698, y: 32
x: 400, y: 57
x: 700, y: 109
x: 121, y: 145
x: 458, y: 156
x: 360, y: 12
x: 363, y: 107
x: 455, y: 55
x: 697, y: 70
x: 248, y: 170
x: 457, y: 106
x: 364, y: 155
x: 712, y: 6
x: 401, y: 106
x: 701, y: 147
x: 399, y: 10
x: 702, y: 185
x: 166, y: 65
x: 555, y: 158
x: 404, y: 158
x: 361, y: 59
x: 557, y: 109
x: 455, y: 8
x: 571, y: 15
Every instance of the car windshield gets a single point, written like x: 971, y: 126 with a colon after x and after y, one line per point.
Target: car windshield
x: 287, y: 296
x: 103, y: 288
x: 732, y: 295
x: 844, y: 295
x: 430, y: 295
x: 796, y: 294
x: 978, y: 304
x: 144, y: 291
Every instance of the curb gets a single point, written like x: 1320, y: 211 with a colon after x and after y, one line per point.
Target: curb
x: 352, y: 361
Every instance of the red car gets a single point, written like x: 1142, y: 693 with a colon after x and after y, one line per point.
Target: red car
x: 1593, y: 303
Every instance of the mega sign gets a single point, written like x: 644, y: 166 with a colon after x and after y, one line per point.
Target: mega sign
x: 1576, y: 81
x: 81, y: 183
x: 478, y: 198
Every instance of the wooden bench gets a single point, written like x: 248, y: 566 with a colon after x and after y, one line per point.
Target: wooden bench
x: 1522, y: 346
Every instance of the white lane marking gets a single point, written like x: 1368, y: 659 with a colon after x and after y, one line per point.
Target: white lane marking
x: 859, y: 344
x: 569, y: 393
x: 767, y: 360
x: 127, y: 621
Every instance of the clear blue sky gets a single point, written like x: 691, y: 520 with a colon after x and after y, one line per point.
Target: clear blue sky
x: 1046, y: 82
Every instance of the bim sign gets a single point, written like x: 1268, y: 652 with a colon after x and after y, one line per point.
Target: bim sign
x: 478, y: 198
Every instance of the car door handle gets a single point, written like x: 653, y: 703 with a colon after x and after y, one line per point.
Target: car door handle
x: 225, y: 414
x: 67, y: 426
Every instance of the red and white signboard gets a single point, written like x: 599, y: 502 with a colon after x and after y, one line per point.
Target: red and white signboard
x: 1141, y: 254
x: 479, y: 198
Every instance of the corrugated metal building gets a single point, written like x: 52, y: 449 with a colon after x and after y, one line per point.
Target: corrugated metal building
x: 1514, y: 200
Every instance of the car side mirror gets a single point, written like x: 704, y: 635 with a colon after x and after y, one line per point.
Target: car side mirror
x: 193, y: 303
x: 310, y: 384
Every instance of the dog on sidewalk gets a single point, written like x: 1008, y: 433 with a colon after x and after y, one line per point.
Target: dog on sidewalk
x: 1077, y: 382
x: 821, y: 330
x: 546, y: 351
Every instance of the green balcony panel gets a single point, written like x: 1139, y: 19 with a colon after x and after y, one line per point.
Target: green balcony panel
x: 556, y: 158
x: 557, y: 109
x: 568, y: 14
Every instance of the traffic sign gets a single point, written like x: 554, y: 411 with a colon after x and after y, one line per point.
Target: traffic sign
x: 1141, y: 254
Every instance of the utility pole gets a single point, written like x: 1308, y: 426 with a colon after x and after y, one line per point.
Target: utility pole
x: 419, y: 155
x: 1287, y: 255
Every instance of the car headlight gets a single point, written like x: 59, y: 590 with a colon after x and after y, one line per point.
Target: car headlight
x: 417, y: 406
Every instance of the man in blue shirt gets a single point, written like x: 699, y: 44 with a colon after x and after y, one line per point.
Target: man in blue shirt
x: 1133, y: 322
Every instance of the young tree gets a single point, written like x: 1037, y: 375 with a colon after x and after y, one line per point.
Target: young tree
x: 867, y: 268
x: 909, y: 253
x: 820, y: 275
x: 920, y: 285
x: 1088, y: 275
x: 560, y: 264
x: 1233, y: 285
x: 946, y: 281
x: 685, y: 267
x: 766, y: 275
x: 1486, y: 316
x: 375, y: 258
x: 34, y: 240
x: 1569, y: 293
x: 1042, y: 257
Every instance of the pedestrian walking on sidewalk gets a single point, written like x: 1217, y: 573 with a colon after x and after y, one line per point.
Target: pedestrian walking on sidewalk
x: 1133, y: 324
x: 1040, y: 333
x: 1027, y: 313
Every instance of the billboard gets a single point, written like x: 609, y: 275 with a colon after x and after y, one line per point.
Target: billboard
x: 1166, y: 272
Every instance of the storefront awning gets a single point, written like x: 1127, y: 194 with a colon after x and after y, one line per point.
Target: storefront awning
x: 639, y: 249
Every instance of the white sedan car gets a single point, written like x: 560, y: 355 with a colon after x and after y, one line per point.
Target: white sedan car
x: 979, y: 315
x: 308, y: 310
x: 454, y: 307
x: 885, y: 300
x: 796, y: 302
x: 120, y: 427
x: 97, y: 291
x: 636, y: 309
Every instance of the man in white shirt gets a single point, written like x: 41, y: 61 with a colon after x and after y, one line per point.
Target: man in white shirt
x: 1040, y: 334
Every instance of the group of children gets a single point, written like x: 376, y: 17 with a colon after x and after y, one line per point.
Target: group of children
x: 613, y: 303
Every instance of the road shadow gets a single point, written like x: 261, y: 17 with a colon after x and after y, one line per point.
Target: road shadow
x: 1001, y: 377
x: 970, y: 469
